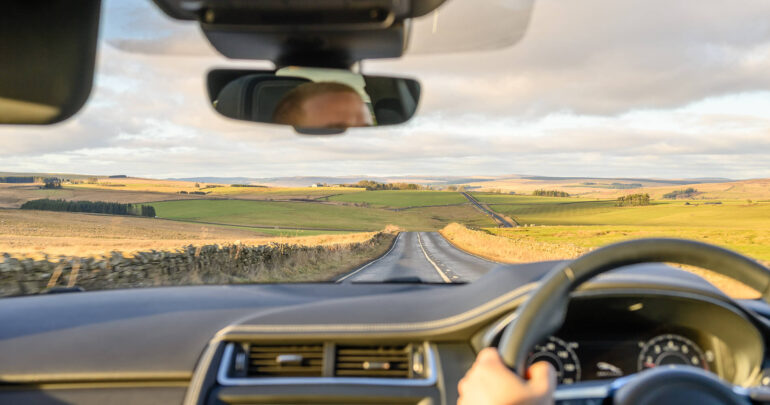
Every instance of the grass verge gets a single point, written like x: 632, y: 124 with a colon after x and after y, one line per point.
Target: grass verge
x: 519, y: 245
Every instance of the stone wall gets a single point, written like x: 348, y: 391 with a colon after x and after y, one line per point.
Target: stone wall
x: 212, y: 264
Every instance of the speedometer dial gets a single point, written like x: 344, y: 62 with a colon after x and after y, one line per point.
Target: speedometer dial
x: 671, y: 349
x: 562, y: 357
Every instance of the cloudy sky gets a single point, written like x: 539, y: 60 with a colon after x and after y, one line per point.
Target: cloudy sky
x: 635, y: 88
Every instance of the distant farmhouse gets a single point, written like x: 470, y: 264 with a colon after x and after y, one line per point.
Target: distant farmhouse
x: 316, y: 185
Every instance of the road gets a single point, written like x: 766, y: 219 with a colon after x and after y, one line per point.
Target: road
x: 426, y: 256
x: 500, y: 220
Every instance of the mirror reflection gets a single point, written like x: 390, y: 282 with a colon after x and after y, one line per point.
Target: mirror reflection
x: 313, y: 98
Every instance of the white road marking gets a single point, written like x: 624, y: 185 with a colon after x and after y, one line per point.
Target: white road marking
x: 373, y: 261
x: 438, y: 270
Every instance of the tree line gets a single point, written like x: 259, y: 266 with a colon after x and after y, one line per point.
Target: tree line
x: 633, y: 200
x: 688, y: 192
x: 97, y: 207
x: 373, y: 185
x: 550, y: 193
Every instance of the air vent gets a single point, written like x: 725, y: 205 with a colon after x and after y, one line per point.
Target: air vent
x: 392, y: 361
x: 285, y: 361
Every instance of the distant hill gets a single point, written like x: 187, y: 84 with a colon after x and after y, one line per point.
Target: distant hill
x: 305, y: 181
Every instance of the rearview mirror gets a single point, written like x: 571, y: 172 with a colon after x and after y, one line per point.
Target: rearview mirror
x: 313, y: 100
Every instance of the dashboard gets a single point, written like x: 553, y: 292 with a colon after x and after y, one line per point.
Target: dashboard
x: 606, y: 337
x: 358, y: 343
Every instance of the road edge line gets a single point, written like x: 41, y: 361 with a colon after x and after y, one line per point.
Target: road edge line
x: 393, y: 246
x: 441, y: 273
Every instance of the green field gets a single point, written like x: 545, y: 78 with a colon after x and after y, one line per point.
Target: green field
x: 753, y: 242
x: 402, y: 199
x: 316, y: 215
x: 491, y: 198
x: 674, y: 213
x: 589, y: 223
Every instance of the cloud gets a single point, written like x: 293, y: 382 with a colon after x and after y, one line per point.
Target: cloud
x: 596, y: 87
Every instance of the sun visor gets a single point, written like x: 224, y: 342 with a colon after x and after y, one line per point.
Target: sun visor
x: 469, y: 26
x: 48, y: 51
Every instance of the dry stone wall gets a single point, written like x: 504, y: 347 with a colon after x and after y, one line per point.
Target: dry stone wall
x: 211, y: 264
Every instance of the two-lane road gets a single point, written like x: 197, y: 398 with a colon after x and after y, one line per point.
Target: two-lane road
x: 423, y: 255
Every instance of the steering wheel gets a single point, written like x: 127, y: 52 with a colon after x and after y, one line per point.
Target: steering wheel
x: 543, y: 313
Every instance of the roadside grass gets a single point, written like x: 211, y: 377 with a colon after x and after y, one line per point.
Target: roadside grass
x: 324, y: 265
x: 752, y: 242
x: 401, y: 198
x: 315, y: 215
x: 509, y: 248
x: 521, y: 245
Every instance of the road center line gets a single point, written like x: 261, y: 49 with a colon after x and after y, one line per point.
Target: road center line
x: 440, y: 273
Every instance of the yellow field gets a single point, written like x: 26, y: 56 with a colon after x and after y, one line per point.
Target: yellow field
x: 36, y: 233
x: 211, y: 189
x: 520, y: 246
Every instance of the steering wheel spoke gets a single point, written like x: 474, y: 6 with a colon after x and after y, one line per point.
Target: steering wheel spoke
x: 584, y: 393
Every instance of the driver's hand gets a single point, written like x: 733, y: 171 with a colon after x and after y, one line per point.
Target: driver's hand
x: 491, y: 382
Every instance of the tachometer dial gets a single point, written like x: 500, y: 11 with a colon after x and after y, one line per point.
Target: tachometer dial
x: 670, y: 349
x: 561, y: 355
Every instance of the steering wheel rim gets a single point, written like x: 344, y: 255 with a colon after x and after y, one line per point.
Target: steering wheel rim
x: 543, y: 313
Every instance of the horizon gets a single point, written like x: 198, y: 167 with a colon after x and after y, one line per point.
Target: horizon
x: 394, y: 176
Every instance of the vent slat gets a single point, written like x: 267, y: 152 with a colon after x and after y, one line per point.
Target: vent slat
x: 373, y: 358
x: 393, y: 366
x: 352, y: 361
x: 372, y: 373
x: 263, y: 361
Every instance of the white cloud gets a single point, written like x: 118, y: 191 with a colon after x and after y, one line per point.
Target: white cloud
x: 597, y: 87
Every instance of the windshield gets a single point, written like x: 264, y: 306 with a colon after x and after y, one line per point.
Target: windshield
x: 597, y: 121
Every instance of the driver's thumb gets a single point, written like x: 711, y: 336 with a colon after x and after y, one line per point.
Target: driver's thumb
x: 542, y: 377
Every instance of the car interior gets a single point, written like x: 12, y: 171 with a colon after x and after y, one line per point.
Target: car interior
x: 644, y: 331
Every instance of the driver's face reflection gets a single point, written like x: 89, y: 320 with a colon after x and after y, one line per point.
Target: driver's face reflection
x: 323, y: 105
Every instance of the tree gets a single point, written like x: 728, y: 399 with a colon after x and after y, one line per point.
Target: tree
x: 550, y: 193
x: 52, y: 182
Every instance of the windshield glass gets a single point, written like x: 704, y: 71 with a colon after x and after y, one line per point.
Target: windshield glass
x: 597, y: 121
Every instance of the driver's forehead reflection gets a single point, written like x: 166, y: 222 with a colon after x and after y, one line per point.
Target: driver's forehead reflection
x: 323, y: 105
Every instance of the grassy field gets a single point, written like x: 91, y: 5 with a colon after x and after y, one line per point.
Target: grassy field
x: 173, y: 187
x: 35, y: 233
x: 521, y: 245
x: 756, y: 189
x: 573, y: 221
x: 562, y: 228
x: 12, y: 196
x: 577, y: 211
x: 280, y: 193
x: 316, y: 215
x: 401, y: 198
x: 753, y: 242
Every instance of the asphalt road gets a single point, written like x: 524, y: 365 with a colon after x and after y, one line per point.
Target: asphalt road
x: 500, y: 220
x: 423, y: 255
